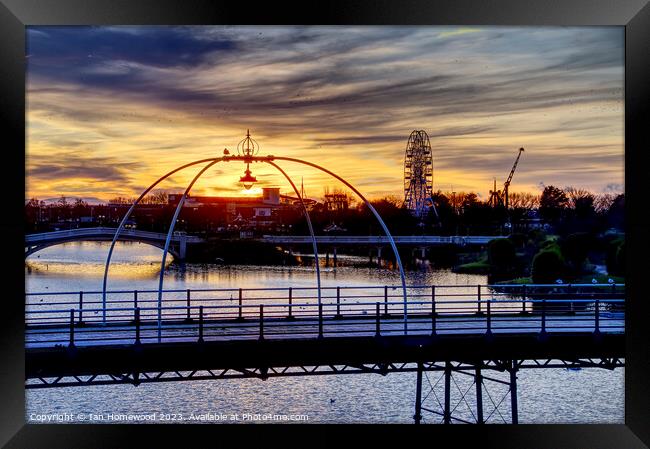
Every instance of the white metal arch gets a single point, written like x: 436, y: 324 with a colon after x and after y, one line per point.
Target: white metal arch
x: 377, y: 216
x: 177, y: 213
x: 126, y: 217
x: 267, y: 159
x: 170, y: 232
x: 309, y: 224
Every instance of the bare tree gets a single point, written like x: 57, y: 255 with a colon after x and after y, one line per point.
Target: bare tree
x: 393, y: 200
x: 121, y: 200
x: 603, y: 202
x: 156, y: 197
x: 338, y: 195
x: 160, y: 197
x: 456, y: 199
x: 470, y: 199
x: 576, y: 195
x: 523, y: 200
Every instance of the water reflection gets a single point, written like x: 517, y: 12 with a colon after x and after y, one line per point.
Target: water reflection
x: 130, y: 261
x: 82, y: 265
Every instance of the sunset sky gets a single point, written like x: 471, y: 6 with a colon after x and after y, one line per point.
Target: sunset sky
x: 109, y: 109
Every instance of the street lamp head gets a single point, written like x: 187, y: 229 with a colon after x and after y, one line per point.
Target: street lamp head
x: 248, y: 148
x: 248, y: 180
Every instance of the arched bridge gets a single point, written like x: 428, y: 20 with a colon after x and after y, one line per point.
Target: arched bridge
x: 417, y: 242
x: 413, y: 240
x: 37, y: 242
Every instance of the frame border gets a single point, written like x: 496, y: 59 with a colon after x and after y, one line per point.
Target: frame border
x: 15, y: 15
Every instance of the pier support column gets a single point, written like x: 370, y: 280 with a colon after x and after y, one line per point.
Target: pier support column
x: 447, y: 412
x: 423, y: 252
x: 479, y: 395
x: 513, y: 392
x: 327, y: 258
x: 379, y: 255
x: 182, y: 247
x: 472, y: 372
x: 418, y: 396
x: 334, y: 256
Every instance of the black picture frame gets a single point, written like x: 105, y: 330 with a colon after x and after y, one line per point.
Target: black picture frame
x: 16, y: 14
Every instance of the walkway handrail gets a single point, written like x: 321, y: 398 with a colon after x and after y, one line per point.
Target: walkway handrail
x: 367, y: 315
x: 447, y: 300
x: 342, y: 287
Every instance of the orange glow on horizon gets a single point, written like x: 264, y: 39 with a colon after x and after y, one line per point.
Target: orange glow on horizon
x: 108, y: 126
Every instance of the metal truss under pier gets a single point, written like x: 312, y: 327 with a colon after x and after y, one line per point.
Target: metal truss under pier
x: 460, y: 394
x: 488, y: 365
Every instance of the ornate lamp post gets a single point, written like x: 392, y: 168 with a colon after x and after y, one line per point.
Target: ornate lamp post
x: 248, y: 148
x: 247, y: 153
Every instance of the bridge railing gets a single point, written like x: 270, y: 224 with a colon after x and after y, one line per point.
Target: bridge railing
x: 375, y: 240
x: 89, y: 232
x: 344, y: 310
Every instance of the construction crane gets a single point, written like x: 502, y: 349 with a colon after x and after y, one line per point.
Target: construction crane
x: 495, y: 196
x: 500, y: 197
x: 506, y: 185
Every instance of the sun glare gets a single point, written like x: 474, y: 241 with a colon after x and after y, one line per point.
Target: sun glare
x: 254, y: 191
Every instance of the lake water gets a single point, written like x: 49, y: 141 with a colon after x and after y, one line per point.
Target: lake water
x: 545, y: 395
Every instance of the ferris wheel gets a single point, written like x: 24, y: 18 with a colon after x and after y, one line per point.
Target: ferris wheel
x: 418, y: 174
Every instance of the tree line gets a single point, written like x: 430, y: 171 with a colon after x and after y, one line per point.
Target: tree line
x: 564, y: 211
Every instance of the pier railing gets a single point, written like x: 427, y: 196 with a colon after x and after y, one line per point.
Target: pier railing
x: 232, y: 313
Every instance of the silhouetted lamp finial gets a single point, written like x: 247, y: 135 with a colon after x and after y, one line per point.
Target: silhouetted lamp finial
x: 248, y: 146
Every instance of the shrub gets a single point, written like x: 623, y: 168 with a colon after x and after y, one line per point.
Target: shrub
x: 518, y: 239
x: 537, y: 236
x: 550, y: 245
x: 548, y: 265
x: 615, y: 257
x: 575, y: 248
x: 501, y: 253
x: 620, y: 260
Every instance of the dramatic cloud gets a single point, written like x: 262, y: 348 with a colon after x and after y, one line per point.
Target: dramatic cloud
x: 133, y: 102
